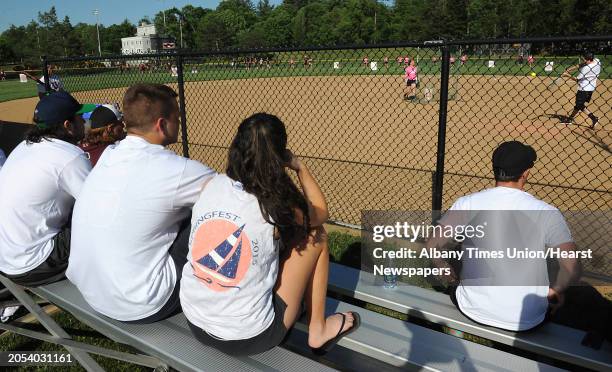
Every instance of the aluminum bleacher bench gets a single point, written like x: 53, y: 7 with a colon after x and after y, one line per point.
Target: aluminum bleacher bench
x: 382, y: 343
x: 168, y: 343
x: 551, y: 340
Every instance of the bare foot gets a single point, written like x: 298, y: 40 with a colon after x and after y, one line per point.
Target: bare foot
x: 317, y: 337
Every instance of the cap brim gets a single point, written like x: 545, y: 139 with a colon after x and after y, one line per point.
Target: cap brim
x: 88, y: 107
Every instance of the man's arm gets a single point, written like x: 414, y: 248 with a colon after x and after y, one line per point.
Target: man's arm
x: 438, y: 243
x: 74, y: 174
x: 193, y: 179
x: 568, y: 72
x: 570, y: 270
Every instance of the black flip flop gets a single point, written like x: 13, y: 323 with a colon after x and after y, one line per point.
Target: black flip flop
x: 326, y: 347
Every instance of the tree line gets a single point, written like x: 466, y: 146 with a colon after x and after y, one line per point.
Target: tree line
x: 244, y: 24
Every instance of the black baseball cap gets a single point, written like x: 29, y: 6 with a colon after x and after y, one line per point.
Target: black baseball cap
x: 57, y: 107
x: 104, y: 115
x: 588, y: 55
x: 512, y: 158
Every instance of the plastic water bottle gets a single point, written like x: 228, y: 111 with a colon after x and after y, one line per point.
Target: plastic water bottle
x: 390, y: 281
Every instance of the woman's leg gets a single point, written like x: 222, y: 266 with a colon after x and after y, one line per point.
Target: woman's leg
x: 303, y: 274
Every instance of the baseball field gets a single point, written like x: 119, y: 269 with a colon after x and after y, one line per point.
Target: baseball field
x: 370, y: 149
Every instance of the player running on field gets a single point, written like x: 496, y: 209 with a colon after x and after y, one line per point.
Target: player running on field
x: 410, y: 77
x: 588, y: 72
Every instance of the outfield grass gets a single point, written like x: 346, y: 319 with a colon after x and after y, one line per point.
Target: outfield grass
x: 13, y: 89
x: 76, y: 80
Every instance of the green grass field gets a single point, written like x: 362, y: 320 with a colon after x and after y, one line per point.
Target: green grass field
x: 76, y: 80
x: 13, y: 89
x: 79, y: 332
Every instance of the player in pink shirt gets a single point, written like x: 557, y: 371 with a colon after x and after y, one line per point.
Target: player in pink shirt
x: 411, y: 79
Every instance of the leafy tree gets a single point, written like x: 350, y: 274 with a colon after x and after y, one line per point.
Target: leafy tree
x: 264, y: 9
x: 278, y: 26
x: 111, y: 36
x: 239, y: 23
x: 88, y: 39
x: 191, y: 18
x: 144, y: 19
x: 219, y: 29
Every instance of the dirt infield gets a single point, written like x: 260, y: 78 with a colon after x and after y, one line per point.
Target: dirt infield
x: 18, y: 111
x: 372, y: 150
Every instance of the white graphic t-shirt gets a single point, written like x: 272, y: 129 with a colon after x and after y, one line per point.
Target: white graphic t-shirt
x: 227, y: 284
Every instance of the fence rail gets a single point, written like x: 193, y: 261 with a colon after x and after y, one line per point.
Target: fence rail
x: 376, y: 142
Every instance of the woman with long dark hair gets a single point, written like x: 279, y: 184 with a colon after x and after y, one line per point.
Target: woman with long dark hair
x: 258, y: 248
x: 107, y: 127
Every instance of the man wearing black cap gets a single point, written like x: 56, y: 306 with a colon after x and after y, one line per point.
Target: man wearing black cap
x: 588, y: 72
x: 505, y: 291
x: 38, y: 186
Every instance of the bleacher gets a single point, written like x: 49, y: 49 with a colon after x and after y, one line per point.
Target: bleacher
x: 382, y: 342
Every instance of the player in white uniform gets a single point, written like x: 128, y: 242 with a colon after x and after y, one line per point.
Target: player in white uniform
x: 588, y: 72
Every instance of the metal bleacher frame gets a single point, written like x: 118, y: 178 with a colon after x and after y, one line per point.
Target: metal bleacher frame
x: 551, y: 340
x: 382, y: 343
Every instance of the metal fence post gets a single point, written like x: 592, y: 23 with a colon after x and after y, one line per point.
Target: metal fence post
x: 45, y: 73
x: 436, y: 199
x: 181, y: 96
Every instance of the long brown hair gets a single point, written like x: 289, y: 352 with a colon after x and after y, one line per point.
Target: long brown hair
x: 102, y: 135
x: 257, y: 159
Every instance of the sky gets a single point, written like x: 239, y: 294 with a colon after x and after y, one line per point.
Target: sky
x: 21, y: 12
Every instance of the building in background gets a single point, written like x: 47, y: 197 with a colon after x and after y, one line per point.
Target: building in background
x: 145, y: 41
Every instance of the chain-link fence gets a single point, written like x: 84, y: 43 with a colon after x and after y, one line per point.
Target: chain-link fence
x: 403, y: 127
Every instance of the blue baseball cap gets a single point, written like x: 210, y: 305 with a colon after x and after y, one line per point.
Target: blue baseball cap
x: 57, y: 107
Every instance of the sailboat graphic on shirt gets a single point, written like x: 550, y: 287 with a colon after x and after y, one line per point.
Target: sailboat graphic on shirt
x: 222, y: 262
x: 221, y: 254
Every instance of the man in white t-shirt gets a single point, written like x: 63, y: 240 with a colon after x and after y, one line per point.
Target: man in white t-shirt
x: 588, y: 72
x: 504, y: 291
x: 38, y: 185
x: 131, y: 223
